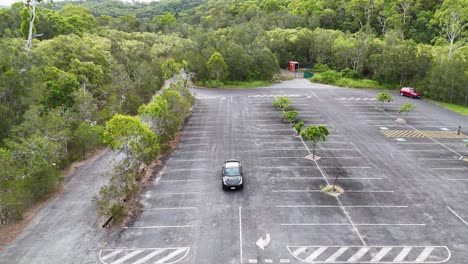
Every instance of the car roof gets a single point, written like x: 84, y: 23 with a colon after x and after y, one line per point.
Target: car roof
x: 231, y: 163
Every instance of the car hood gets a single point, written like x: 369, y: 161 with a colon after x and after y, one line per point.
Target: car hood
x: 232, y: 180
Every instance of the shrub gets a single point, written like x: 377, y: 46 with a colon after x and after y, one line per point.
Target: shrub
x: 329, y: 77
x: 319, y: 67
x: 282, y: 102
x: 291, y: 116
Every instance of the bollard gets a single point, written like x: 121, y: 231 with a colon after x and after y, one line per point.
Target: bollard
x: 459, y: 129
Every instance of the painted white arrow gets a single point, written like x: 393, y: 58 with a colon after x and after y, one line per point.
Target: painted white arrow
x: 262, y: 243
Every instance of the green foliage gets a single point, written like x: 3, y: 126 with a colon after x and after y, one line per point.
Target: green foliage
x: 315, y: 134
x: 291, y: 116
x: 298, y: 126
x: 406, y: 108
x: 282, y: 102
x: 329, y: 77
x: 87, y: 137
x: 170, y: 68
x: 384, y: 98
x: 217, y: 67
x: 129, y: 135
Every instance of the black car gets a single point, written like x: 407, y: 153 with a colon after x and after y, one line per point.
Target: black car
x: 232, y: 175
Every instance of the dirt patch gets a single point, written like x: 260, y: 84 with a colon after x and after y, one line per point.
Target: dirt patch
x: 10, y: 232
x: 332, y: 191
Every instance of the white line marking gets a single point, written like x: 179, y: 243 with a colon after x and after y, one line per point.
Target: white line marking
x: 459, y: 217
x: 299, y: 251
x: 337, y: 254
x: 173, y: 254
x: 157, y: 227
x: 361, y: 252
x: 185, y: 193
x: 179, y: 180
x: 285, y: 261
x: 268, y: 261
x: 338, y: 206
x: 457, y: 179
x: 128, y: 256
x: 321, y: 178
x: 240, y: 232
x: 424, y: 254
x: 149, y: 256
x: 402, y: 254
x: 314, y: 255
x: 349, y: 224
x: 116, y: 252
x: 252, y: 261
x: 170, y: 208
x: 384, y: 251
x: 459, y: 168
x: 348, y: 191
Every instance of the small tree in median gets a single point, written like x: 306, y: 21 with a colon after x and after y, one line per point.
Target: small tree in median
x: 384, y: 97
x: 298, y: 127
x: 406, y: 108
x: 315, y: 134
x: 291, y: 116
x: 282, y: 102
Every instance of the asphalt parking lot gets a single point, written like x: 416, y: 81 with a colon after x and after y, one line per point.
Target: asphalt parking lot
x: 404, y: 197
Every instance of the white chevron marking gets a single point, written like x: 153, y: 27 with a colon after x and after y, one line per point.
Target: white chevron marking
x: 337, y: 254
x: 173, y: 254
x: 128, y: 256
x: 317, y: 253
x: 384, y: 251
x: 402, y: 254
x: 358, y: 254
x: 424, y: 254
x: 149, y: 256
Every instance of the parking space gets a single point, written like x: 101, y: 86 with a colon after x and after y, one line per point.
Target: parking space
x: 397, y: 206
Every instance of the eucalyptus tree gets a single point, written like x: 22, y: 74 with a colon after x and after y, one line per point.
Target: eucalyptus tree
x: 452, y: 17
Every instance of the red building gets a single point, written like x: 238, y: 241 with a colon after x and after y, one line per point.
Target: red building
x: 293, y: 65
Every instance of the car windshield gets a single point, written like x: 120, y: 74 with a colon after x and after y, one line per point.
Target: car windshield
x: 231, y: 169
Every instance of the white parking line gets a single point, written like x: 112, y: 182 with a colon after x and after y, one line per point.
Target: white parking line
x: 157, y: 227
x: 338, y: 206
x: 174, y: 193
x: 349, y: 224
x: 179, y: 180
x: 459, y: 217
x: 347, y: 191
x: 321, y: 178
x: 453, y: 168
x: 240, y: 232
x: 170, y: 208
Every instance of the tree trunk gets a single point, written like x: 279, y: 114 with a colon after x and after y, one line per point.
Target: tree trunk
x: 31, y: 24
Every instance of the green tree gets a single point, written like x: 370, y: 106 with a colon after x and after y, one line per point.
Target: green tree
x: 290, y: 116
x: 384, y: 97
x: 315, y: 134
x: 170, y: 68
x: 298, y: 127
x: 406, y: 108
x: 129, y: 135
x: 87, y: 137
x: 282, y: 102
x: 452, y: 17
x: 217, y: 67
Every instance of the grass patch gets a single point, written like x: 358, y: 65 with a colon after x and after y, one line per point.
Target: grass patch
x: 242, y: 85
x: 456, y: 108
x: 358, y: 83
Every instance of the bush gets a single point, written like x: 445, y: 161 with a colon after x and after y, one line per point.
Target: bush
x: 363, y: 83
x: 282, y: 102
x: 348, y: 73
x: 328, y: 77
x: 291, y: 116
x: 319, y: 67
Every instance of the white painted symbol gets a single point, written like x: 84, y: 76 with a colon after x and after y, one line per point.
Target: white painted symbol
x: 384, y: 128
x: 444, y: 129
x: 262, y: 243
x: 400, y: 139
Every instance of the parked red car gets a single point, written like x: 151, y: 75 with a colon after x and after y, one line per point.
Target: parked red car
x: 411, y: 92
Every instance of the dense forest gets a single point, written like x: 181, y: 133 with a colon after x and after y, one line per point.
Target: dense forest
x: 92, y: 60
